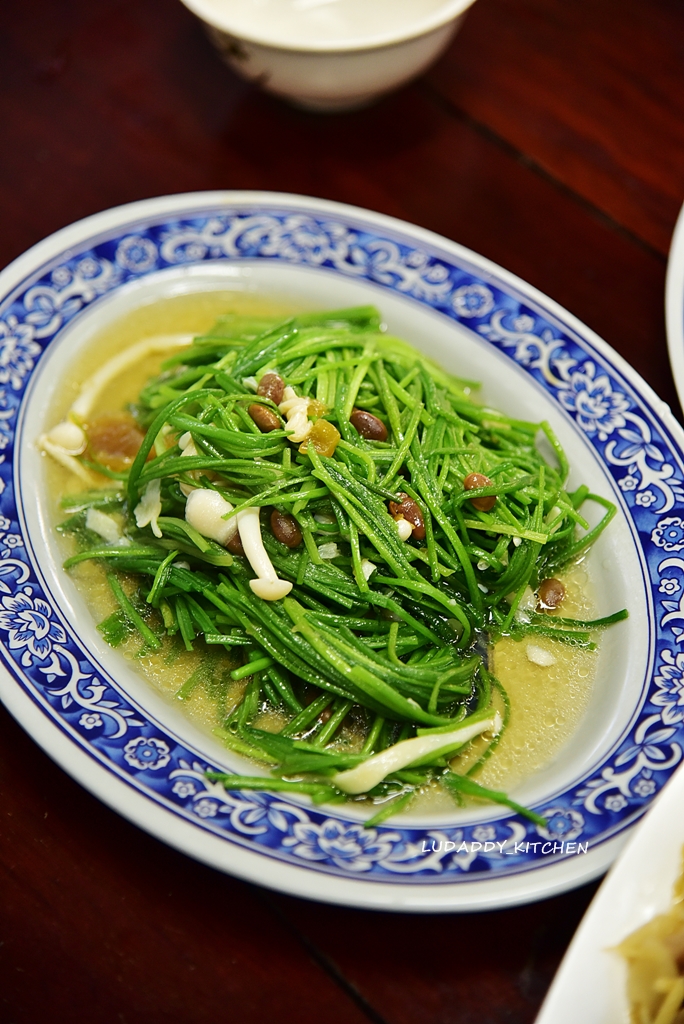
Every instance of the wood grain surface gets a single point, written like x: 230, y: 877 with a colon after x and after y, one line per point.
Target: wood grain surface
x: 550, y: 138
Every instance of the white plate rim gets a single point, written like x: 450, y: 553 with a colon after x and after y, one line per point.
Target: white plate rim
x: 674, y: 305
x: 590, y: 983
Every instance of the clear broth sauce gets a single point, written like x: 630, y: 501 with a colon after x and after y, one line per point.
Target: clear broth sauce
x: 547, y: 703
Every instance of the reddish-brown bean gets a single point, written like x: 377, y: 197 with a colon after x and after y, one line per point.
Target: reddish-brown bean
x: 368, y: 425
x: 271, y: 386
x: 410, y: 511
x: 473, y: 482
x: 234, y: 545
x: 285, y: 529
x: 265, y: 419
x: 551, y: 594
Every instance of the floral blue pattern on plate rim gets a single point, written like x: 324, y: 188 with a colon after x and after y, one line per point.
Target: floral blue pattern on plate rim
x: 631, y: 431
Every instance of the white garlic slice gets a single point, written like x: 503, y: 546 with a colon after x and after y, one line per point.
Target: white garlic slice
x: 148, y: 509
x: 329, y: 550
x: 404, y: 528
x: 299, y: 426
x: 103, y: 525
x: 295, y: 408
x: 367, y: 568
x: 540, y: 656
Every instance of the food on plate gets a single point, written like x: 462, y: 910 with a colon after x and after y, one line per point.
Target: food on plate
x: 339, y: 536
x: 655, y: 959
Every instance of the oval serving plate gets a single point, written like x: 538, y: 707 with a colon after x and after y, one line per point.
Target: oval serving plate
x: 101, y: 722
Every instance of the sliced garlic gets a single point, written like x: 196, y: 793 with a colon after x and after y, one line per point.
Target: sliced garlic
x: 329, y: 550
x: 103, y: 525
x: 540, y: 656
x: 204, y: 511
x: 299, y: 426
x: 367, y: 568
x: 404, y: 528
x: 148, y: 509
x: 295, y: 408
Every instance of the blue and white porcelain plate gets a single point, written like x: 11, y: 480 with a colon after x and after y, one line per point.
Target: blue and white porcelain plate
x: 88, y: 708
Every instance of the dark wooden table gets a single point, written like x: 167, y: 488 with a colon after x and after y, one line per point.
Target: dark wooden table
x: 550, y: 138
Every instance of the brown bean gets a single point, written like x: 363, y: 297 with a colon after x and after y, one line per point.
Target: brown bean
x: 368, y: 425
x: 234, y: 545
x: 285, y: 529
x: 265, y: 419
x: 411, y: 512
x: 473, y: 482
x: 551, y: 594
x: 271, y: 386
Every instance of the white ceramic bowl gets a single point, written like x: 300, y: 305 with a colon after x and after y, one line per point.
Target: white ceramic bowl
x: 330, y: 67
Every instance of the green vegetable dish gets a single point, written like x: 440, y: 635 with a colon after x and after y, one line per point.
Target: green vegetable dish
x: 342, y: 534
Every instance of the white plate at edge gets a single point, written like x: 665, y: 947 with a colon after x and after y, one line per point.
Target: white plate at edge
x: 590, y: 985
x: 674, y: 305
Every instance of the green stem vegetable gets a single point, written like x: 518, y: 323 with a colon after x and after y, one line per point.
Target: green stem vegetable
x: 412, y: 538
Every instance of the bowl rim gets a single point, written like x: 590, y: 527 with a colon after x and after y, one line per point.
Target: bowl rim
x: 450, y: 10
x: 540, y: 879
